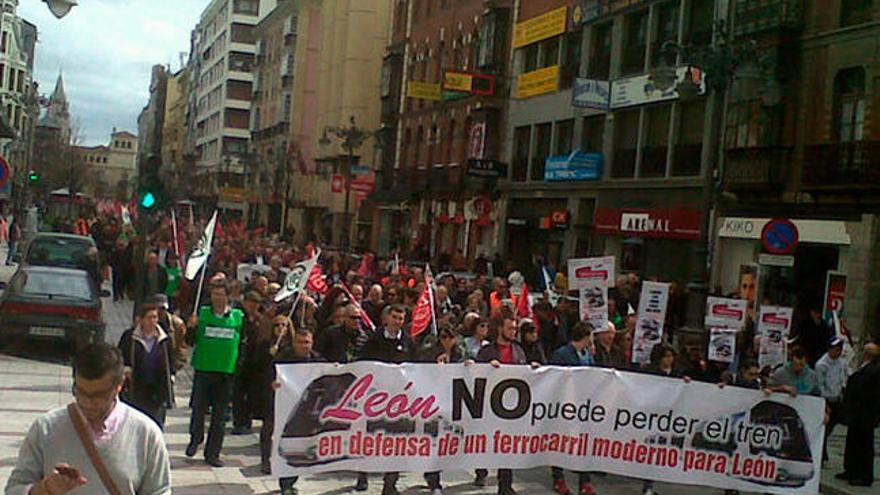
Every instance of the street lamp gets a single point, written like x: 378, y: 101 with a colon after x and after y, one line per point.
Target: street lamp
x: 719, y: 63
x: 351, y: 138
x: 60, y: 8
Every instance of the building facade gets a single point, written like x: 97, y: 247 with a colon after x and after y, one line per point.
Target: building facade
x: 339, y: 48
x: 221, y: 63
x: 444, y: 93
x: 174, y: 157
x: 151, y: 120
x: 812, y: 156
x: 111, y: 168
x: 276, y: 38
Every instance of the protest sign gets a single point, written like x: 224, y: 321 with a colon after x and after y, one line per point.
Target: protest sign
x: 722, y: 344
x: 582, y: 271
x: 652, y: 316
x: 725, y: 312
x: 593, y: 302
x: 774, y: 325
x: 375, y: 417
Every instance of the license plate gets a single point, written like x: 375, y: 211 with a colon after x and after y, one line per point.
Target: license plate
x: 47, y: 331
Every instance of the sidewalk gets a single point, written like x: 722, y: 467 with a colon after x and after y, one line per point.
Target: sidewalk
x: 833, y: 486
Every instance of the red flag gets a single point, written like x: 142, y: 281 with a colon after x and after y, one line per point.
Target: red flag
x: 366, y: 268
x: 523, y: 308
x: 316, y: 281
x: 365, y: 318
x: 423, y: 313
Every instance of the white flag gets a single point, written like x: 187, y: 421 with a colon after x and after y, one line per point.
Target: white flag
x: 200, y: 254
x: 298, y: 277
x: 126, y: 216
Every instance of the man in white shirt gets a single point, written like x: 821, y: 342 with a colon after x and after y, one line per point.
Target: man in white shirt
x: 832, y: 372
x: 53, y: 459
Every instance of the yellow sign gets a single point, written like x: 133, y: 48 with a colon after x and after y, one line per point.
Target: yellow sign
x: 233, y: 194
x: 457, y: 81
x: 539, y: 28
x: 423, y: 90
x: 537, y: 82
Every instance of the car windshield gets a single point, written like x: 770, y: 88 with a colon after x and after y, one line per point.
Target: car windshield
x: 52, y: 285
x: 57, y: 252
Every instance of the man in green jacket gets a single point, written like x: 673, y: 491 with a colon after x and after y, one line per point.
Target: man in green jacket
x: 216, y: 334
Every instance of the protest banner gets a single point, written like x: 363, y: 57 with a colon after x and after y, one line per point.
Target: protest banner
x: 375, y: 417
x: 650, y: 321
x: 725, y: 312
x: 593, y: 302
x: 582, y: 271
x: 774, y: 325
x: 722, y: 344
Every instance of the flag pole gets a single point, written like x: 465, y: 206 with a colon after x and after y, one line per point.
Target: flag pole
x: 199, y: 288
x: 295, y: 302
x: 431, y: 297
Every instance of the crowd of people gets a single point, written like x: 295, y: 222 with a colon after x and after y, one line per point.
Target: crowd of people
x: 238, y: 332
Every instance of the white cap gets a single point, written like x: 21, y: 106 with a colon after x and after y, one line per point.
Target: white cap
x: 607, y: 327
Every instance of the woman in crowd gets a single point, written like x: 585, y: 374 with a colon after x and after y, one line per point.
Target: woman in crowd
x: 528, y: 338
x: 148, y: 354
x: 477, y: 339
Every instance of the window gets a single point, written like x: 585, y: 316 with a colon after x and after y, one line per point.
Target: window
x: 530, y: 57
x: 849, y: 96
x: 521, y: 137
x: 571, y: 58
x: 433, y: 140
x: 3, y: 42
x: 420, y: 139
x: 750, y: 124
x: 486, y: 48
x: 667, y: 29
x: 2, y: 74
x: 242, y: 33
x: 400, y: 17
x: 12, y: 74
x: 19, y: 84
x: 564, y: 137
x: 247, y: 7
x: 853, y: 12
x: 600, y: 52
x: 449, y: 144
x: 550, y: 52
x: 700, y: 23
x: 626, y: 138
x: 635, y: 43
x: 593, y: 134
x: 404, y: 152
x: 542, y: 150
x: 687, y: 159
x: 656, y: 141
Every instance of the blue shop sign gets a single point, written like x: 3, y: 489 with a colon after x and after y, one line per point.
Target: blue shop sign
x: 573, y: 167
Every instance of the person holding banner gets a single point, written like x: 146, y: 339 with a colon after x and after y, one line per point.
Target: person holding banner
x: 575, y: 353
x: 216, y: 334
x: 504, y: 349
x: 388, y: 345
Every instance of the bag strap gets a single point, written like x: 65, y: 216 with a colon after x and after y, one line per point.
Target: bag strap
x: 86, y: 439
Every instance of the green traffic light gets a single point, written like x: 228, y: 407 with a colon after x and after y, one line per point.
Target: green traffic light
x: 33, y: 177
x: 148, y: 200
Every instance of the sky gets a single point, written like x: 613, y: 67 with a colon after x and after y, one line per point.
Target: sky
x: 105, y: 49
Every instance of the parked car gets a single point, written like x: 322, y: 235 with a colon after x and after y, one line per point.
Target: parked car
x: 56, y: 249
x: 52, y: 304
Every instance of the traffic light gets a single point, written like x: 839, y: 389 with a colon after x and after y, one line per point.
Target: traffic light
x: 33, y: 177
x: 150, y: 190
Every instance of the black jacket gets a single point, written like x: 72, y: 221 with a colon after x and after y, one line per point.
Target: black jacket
x: 339, y: 344
x: 140, y: 390
x: 862, y: 394
x: 380, y: 348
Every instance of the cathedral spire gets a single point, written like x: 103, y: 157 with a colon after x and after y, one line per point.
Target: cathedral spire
x: 58, y: 95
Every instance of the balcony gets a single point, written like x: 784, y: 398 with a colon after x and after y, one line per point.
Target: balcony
x: 759, y: 16
x: 760, y: 168
x: 854, y: 165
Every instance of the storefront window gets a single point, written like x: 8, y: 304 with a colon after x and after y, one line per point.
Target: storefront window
x: 626, y: 137
x: 656, y: 141
x: 542, y: 150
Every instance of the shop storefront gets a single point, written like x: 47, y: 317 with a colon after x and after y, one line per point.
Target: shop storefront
x: 537, y: 227
x: 797, y: 280
x: 654, y: 243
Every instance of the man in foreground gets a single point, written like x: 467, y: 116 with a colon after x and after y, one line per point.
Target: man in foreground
x: 95, y: 443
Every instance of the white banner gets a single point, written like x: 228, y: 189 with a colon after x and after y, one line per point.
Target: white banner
x: 725, y: 312
x: 722, y: 344
x: 593, y: 302
x: 651, y: 318
x: 774, y: 325
x: 373, y: 417
x: 582, y: 271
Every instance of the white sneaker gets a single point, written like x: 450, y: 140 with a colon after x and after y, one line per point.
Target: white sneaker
x: 649, y: 491
x: 437, y: 491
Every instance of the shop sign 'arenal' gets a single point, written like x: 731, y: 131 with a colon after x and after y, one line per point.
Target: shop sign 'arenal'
x: 661, y: 223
